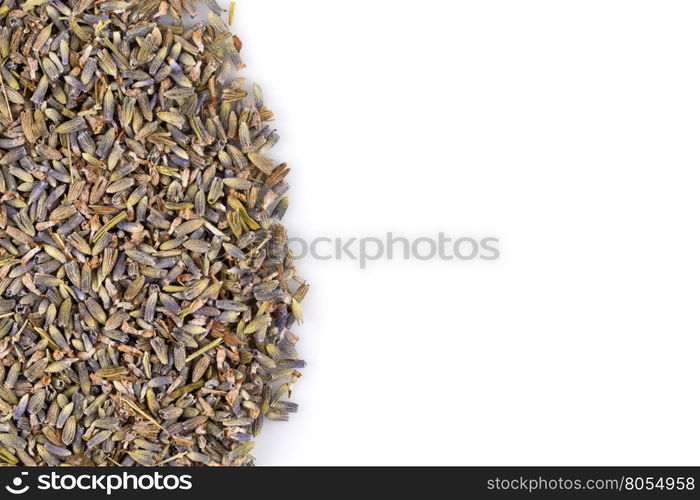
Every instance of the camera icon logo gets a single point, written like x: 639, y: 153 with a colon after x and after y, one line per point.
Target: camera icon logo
x: 17, y: 483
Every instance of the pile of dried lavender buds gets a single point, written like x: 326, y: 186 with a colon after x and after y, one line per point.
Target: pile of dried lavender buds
x: 147, y: 290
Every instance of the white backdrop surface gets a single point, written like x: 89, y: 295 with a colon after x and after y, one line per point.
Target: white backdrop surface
x: 568, y: 130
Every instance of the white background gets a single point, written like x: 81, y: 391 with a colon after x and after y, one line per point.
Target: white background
x: 570, y: 130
